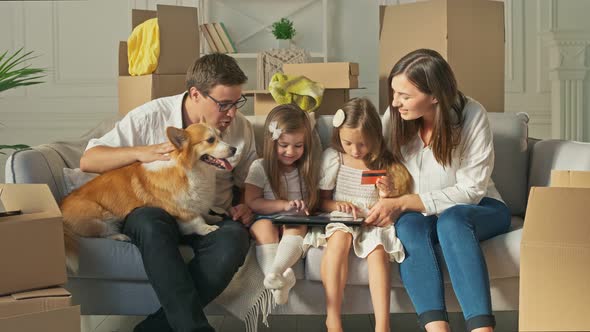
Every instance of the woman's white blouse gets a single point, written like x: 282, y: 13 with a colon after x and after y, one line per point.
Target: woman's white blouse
x: 468, y: 179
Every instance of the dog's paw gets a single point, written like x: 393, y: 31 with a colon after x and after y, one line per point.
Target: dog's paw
x: 120, y: 237
x: 205, y: 229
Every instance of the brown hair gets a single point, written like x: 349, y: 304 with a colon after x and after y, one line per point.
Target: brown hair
x: 214, y: 69
x: 432, y: 75
x: 291, y: 119
x: 361, y: 113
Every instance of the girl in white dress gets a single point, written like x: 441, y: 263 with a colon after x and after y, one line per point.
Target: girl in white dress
x: 357, y: 145
x: 283, y: 181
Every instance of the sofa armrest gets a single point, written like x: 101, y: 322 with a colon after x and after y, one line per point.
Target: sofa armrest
x: 37, y: 165
x: 547, y: 155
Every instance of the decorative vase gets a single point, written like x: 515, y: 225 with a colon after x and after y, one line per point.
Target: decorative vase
x: 285, y: 43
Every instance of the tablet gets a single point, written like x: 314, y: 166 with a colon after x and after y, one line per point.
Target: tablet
x: 321, y: 220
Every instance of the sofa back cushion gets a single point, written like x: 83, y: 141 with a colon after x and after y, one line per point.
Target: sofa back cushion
x: 512, y: 159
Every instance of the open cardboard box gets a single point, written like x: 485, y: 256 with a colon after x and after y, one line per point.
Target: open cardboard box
x: 333, y: 75
x: 332, y: 100
x: 179, y: 48
x: 555, y: 256
x: 41, y: 310
x: 32, y: 252
x: 469, y: 34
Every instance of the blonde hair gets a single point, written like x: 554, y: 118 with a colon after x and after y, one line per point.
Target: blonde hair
x: 361, y: 114
x: 291, y: 119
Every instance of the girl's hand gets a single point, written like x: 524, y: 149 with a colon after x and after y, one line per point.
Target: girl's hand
x: 384, y: 213
x: 297, y: 206
x: 385, y: 186
x: 347, y: 207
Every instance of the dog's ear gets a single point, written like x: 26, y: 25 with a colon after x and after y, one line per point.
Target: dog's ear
x: 177, y: 136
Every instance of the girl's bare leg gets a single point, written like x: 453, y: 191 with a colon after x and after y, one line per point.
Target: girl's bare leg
x: 334, y: 271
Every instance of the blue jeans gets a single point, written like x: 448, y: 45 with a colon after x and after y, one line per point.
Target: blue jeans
x: 184, y: 290
x: 459, y: 230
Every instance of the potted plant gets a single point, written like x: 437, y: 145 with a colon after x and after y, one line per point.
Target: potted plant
x: 14, y: 73
x: 284, y: 32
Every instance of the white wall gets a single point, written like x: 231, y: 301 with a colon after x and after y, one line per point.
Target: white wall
x: 77, y: 41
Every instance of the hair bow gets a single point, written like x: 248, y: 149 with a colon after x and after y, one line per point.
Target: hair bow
x: 276, y: 132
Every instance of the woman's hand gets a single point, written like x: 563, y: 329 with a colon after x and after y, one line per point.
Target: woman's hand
x: 296, y: 205
x: 384, y: 213
x: 385, y: 186
x: 347, y: 207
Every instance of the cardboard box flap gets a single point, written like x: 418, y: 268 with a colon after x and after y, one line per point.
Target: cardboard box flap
x: 29, y: 198
x: 48, y: 292
x: 557, y: 217
x: 139, y: 16
x: 576, y: 179
x: 123, y: 59
x: 354, y: 68
x: 177, y: 26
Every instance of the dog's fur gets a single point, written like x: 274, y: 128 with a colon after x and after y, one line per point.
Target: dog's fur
x: 184, y: 186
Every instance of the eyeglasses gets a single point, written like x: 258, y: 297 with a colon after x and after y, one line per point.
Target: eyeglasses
x: 225, y: 107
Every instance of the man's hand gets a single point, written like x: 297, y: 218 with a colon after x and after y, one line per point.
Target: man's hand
x: 297, y: 206
x: 149, y: 153
x: 384, y: 213
x: 242, y: 213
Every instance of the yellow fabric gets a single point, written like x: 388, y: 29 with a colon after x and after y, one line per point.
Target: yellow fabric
x: 286, y: 89
x: 143, y: 48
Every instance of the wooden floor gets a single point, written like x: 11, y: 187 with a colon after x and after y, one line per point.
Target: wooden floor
x: 506, y: 322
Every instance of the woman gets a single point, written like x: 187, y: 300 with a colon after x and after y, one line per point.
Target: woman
x: 446, y: 143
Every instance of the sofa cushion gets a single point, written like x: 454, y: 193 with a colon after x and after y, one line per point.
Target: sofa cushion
x: 557, y: 154
x: 502, y: 254
x: 102, y: 258
x: 511, y: 163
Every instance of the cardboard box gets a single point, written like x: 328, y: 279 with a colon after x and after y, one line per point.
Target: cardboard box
x: 554, y: 256
x: 179, y: 36
x: 333, y: 99
x: 576, y: 179
x: 469, y: 34
x: 333, y: 75
x: 32, y: 252
x: 135, y: 91
x: 179, y: 48
x: 42, y: 310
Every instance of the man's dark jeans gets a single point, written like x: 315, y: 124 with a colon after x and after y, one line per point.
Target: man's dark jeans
x: 184, y: 290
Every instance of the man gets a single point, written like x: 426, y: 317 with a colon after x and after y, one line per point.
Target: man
x: 214, y: 94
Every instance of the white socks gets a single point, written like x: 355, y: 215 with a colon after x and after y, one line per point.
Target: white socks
x: 276, y: 260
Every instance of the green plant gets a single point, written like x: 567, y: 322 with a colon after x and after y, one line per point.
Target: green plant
x: 13, y: 73
x: 283, y: 29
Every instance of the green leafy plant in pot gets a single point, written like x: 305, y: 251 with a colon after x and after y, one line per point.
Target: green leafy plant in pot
x: 14, y: 73
x: 283, y: 31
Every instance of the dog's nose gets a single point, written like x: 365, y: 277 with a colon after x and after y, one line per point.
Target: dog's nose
x: 232, y: 150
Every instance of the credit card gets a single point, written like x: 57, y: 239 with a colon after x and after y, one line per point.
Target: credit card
x: 371, y: 176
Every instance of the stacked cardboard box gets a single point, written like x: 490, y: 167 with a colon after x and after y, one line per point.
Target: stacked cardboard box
x: 336, y: 77
x: 179, y: 48
x: 469, y: 34
x: 32, y: 258
x: 554, y: 256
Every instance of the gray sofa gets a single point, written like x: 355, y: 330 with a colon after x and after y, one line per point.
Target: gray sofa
x: 112, y: 280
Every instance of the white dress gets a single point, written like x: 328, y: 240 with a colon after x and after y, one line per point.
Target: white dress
x: 345, y: 181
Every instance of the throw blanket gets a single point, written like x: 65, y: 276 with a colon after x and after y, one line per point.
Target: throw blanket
x: 286, y: 89
x: 245, y: 297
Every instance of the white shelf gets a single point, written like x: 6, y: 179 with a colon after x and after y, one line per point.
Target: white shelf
x: 255, y: 55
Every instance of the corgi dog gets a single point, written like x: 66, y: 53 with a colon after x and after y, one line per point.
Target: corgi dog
x: 183, y: 186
